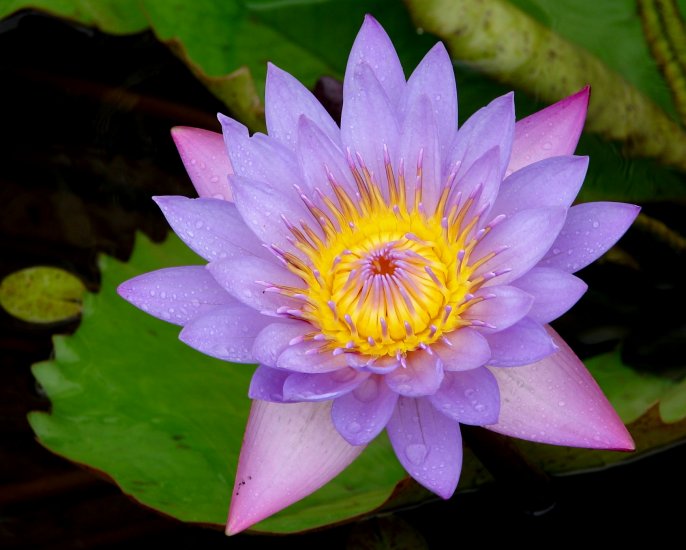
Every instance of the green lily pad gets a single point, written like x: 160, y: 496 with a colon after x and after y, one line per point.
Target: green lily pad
x: 42, y: 295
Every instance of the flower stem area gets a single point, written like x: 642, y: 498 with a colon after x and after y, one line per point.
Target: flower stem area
x: 86, y: 121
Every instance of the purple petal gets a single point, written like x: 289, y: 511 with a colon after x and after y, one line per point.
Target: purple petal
x: 251, y: 280
x: 491, y: 126
x: 422, y: 375
x: 306, y: 357
x: 373, y: 47
x: 273, y: 340
x: 289, y: 451
x: 368, y: 122
x: 480, y: 183
x: 520, y: 242
x: 428, y: 444
x: 589, y: 231
x: 434, y: 78
x: 226, y: 333
x: 322, y: 387
x: 502, y: 306
x: 267, y: 384
x: 470, y: 397
x: 359, y: 416
x: 419, y: 151
x: 521, y: 344
x: 550, y: 182
x: 175, y: 294
x: 557, y: 401
x: 212, y: 228
x: 554, y: 292
x: 286, y: 99
x: 551, y: 132
x: 465, y: 349
x: 204, y: 156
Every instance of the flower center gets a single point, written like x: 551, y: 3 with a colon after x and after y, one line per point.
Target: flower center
x: 383, y: 278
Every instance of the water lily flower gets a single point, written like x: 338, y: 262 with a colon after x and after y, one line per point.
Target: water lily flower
x: 392, y: 273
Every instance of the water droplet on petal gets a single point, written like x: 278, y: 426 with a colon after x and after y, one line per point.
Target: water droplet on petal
x: 416, y: 453
x: 353, y: 427
x: 547, y: 146
x: 596, y: 224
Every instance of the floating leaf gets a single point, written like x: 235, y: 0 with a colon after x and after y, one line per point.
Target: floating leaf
x: 42, y: 295
x: 673, y: 403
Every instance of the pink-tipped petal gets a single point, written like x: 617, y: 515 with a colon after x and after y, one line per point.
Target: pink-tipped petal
x: 175, y: 294
x: 308, y: 357
x: 267, y: 384
x: 359, y: 416
x: 465, y: 349
x: 589, y: 231
x: 470, y: 397
x: 422, y: 375
x: 226, y: 333
x: 373, y: 47
x: 554, y: 292
x: 521, y: 344
x: 551, y: 132
x: 427, y: 443
x: 286, y: 99
x: 251, y: 281
x: 212, y: 228
x: 322, y: 386
x: 557, y: 401
x: 289, y: 451
x: 502, y: 306
x: 205, y: 159
x: 273, y: 340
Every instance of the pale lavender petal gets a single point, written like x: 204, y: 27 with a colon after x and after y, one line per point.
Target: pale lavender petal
x: 321, y: 387
x: 463, y: 349
x: 226, y: 333
x: 557, y: 401
x: 520, y: 242
x: 289, y: 451
x: 286, y: 99
x: 434, y: 77
x: 369, y: 122
x: 420, y: 153
x: 306, y: 357
x: 589, y: 231
x: 521, y: 344
x: 211, y: 228
x: 267, y: 384
x: 427, y: 443
x: 275, y: 338
x: 480, y: 184
x: 491, y: 126
x: 373, y: 47
x: 205, y: 159
x: 251, y: 280
x: 550, y: 182
x: 551, y: 132
x: 359, y: 416
x: 422, y: 375
x: 175, y: 294
x: 502, y: 306
x: 470, y: 397
x: 554, y: 292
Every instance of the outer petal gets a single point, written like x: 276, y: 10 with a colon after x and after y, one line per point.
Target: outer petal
x: 554, y: 292
x: 304, y: 357
x: 465, y: 349
x: 251, y: 281
x: 428, y: 444
x: 175, y: 294
x: 273, y: 340
x: 211, y: 228
x: 373, y: 47
x: 521, y: 344
x: 557, y: 401
x: 589, y: 231
x: 359, y: 416
x: 422, y: 375
x: 502, y: 306
x: 226, y: 333
x: 267, y: 384
x: 322, y: 387
x: 289, y: 451
x: 204, y: 156
x: 551, y: 132
x: 286, y: 99
x: 470, y: 397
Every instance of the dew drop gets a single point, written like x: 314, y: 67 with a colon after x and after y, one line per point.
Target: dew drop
x: 479, y: 407
x: 416, y: 453
x: 214, y: 179
x: 469, y: 392
x: 353, y: 427
x: 218, y: 196
x: 194, y: 162
x: 547, y: 146
x: 198, y: 224
x: 561, y: 403
x: 596, y: 224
